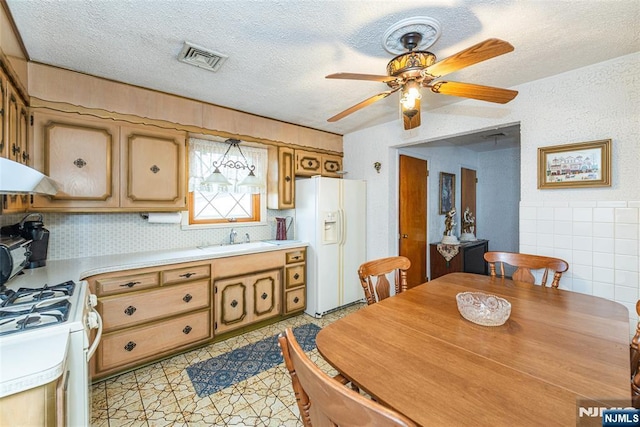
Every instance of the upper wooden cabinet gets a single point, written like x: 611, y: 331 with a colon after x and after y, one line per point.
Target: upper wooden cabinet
x: 108, y: 165
x: 80, y: 154
x: 281, y: 182
x: 310, y: 163
x: 14, y: 139
x: 152, y: 167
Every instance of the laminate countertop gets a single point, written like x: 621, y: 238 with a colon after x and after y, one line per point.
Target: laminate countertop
x: 77, y: 269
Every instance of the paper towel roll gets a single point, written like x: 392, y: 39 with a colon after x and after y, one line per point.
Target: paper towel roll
x: 164, y: 217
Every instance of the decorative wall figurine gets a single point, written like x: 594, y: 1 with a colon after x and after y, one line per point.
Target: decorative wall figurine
x: 449, y: 224
x: 468, y: 226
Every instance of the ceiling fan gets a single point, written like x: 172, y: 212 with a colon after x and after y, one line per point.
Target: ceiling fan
x: 410, y: 71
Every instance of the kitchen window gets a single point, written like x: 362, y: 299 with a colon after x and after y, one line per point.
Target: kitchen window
x: 209, y: 205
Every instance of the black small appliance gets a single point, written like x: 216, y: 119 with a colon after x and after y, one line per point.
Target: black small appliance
x: 31, y: 230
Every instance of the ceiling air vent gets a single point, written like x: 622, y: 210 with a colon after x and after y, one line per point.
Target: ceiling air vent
x: 201, y: 57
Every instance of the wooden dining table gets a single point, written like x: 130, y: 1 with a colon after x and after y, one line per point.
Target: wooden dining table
x: 415, y: 353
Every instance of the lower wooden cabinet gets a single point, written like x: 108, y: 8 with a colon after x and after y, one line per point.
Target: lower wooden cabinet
x: 129, y: 347
x: 128, y: 309
x: 295, y: 289
x: 155, y: 312
x: 150, y: 313
x: 243, y: 300
x: 42, y: 406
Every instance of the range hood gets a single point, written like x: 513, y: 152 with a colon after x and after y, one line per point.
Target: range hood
x: 16, y: 178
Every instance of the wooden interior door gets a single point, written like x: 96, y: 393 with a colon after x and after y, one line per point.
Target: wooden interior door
x: 468, y: 182
x: 413, y: 217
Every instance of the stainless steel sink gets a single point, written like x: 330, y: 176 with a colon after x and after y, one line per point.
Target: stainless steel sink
x: 238, y: 247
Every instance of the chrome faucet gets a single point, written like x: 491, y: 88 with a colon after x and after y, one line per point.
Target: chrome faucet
x: 232, y: 236
x: 247, y: 239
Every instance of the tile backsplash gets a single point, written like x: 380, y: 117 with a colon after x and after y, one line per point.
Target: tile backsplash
x: 599, y: 240
x: 83, y: 235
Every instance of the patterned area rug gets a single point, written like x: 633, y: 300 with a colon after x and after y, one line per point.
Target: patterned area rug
x: 230, y: 368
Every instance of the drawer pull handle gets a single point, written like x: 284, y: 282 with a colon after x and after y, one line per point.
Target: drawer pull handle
x: 130, y: 346
x: 296, y: 276
x: 129, y: 310
x: 234, y: 303
x: 130, y: 284
x: 296, y: 299
x: 264, y: 295
x: 187, y: 329
x: 295, y: 257
x: 187, y: 275
x: 187, y: 298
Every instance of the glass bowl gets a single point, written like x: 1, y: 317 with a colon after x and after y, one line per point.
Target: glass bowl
x: 483, y: 309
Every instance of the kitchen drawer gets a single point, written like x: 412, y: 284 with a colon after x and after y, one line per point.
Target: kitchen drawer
x: 118, y: 285
x: 296, y: 256
x: 184, y: 274
x: 294, y: 300
x: 130, y: 309
x: 294, y: 276
x: 137, y: 344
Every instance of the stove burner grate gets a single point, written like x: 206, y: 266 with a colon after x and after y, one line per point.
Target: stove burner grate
x: 29, y: 296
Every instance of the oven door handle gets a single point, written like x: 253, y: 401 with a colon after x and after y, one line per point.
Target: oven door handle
x: 96, y: 340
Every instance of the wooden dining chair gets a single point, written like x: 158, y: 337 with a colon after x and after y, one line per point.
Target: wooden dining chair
x: 374, y: 281
x: 524, y: 263
x: 325, y: 402
x: 634, y: 358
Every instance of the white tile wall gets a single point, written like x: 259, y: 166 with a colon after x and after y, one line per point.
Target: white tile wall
x: 599, y: 240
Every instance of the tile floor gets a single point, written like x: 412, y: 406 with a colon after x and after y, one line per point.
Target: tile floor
x: 162, y: 394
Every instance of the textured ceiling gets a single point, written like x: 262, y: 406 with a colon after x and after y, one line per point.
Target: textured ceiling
x: 280, y: 51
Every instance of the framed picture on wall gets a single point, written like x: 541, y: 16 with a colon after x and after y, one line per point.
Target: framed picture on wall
x: 447, y: 192
x: 585, y: 164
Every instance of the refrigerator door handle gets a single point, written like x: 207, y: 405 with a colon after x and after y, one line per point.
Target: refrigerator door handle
x: 343, y: 228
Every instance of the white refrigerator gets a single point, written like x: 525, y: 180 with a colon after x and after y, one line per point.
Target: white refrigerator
x: 330, y: 216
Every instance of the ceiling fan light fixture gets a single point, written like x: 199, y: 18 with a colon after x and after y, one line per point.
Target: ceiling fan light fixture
x: 410, y: 94
x: 416, y: 60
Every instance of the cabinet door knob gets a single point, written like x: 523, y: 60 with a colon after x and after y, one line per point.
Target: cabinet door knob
x: 129, y: 310
x: 296, y: 276
x: 187, y: 298
x: 130, y: 346
x: 234, y: 303
x: 130, y: 284
x: 287, y: 178
x: 187, y: 329
x: 296, y: 299
x: 264, y: 295
x: 187, y: 275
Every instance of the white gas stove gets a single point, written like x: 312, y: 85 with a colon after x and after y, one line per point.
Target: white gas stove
x: 62, y: 314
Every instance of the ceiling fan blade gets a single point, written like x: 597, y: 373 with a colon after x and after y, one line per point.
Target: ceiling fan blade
x: 468, y: 90
x: 354, y: 76
x: 477, y: 53
x: 360, y: 105
x: 411, y: 118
